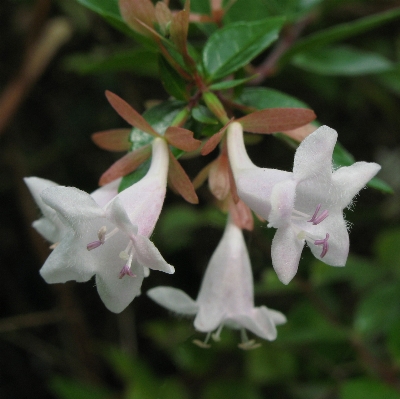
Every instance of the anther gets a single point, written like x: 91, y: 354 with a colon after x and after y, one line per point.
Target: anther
x: 315, y: 219
x: 325, y: 245
x: 126, y: 271
x: 102, y: 239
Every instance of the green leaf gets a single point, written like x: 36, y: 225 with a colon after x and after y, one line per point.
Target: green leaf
x: 109, y: 10
x: 65, y: 388
x: 235, y: 45
x: 378, y: 309
x: 228, y: 84
x: 342, y: 61
x: 261, y: 98
x: 140, y: 61
x: 380, y: 185
x: 203, y: 114
x: 387, y: 249
x: 362, y: 388
x: 341, y: 32
x: 172, y: 81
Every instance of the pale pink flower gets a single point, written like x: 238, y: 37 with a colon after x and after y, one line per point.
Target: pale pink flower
x: 226, y: 294
x: 305, y: 205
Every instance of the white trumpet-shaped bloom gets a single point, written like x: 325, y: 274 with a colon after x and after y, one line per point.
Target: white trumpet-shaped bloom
x: 226, y: 294
x: 50, y: 225
x: 305, y: 205
x: 112, y: 241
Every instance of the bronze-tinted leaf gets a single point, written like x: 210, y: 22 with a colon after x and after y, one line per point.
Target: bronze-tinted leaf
x: 129, y: 114
x: 274, y: 120
x: 163, y: 16
x: 180, y: 182
x: 127, y: 164
x: 113, y: 140
x: 133, y: 11
x: 214, y: 140
x: 181, y: 138
x: 179, y: 31
x: 241, y: 215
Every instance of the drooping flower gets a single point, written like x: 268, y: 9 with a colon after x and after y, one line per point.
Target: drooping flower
x: 226, y: 295
x: 306, y: 205
x: 50, y: 225
x: 110, y: 242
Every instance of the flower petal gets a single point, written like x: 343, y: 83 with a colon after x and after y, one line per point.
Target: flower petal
x: 117, y: 215
x: 351, y: 179
x: 148, y: 255
x: 282, y: 203
x: 258, y: 322
x: 285, y: 252
x: 313, y: 158
x: 105, y: 194
x: 69, y: 261
x: 50, y: 226
x: 118, y: 293
x: 173, y: 299
x: 338, y: 240
x: 74, y: 207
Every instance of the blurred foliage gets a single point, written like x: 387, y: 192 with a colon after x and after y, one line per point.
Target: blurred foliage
x: 342, y: 338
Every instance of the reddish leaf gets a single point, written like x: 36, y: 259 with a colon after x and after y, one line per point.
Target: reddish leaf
x: 218, y: 179
x: 130, y: 115
x: 133, y: 11
x: 202, y: 176
x: 127, y: 164
x: 300, y: 133
x: 274, y: 120
x: 113, y: 140
x: 180, y: 182
x: 232, y: 183
x: 214, y: 140
x: 163, y: 16
x: 179, y: 31
x: 241, y: 215
x: 181, y: 138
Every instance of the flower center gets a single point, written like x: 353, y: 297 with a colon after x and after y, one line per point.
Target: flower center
x: 126, y: 255
x: 315, y: 219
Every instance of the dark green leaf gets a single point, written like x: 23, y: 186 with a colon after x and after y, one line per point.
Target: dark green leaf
x: 172, y: 81
x: 363, y: 388
x: 204, y: 115
x: 261, y: 98
x: 228, y: 84
x: 378, y: 309
x: 387, y: 249
x: 140, y: 61
x: 134, y: 176
x: 342, y: 60
x: 235, y: 45
x: 380, y: 185
x: 341, y: 32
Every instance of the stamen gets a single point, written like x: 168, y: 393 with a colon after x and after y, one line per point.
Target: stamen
x: 318, y: 219
x: 247, y: 343
x: 202, y: 344
x: 93, y: 245
x: 126, y: 270
x: 102, y: 239
x: 216, y: 336
x: 325, y: 245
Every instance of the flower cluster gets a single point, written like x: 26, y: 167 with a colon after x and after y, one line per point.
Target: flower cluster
x: 106, y: 234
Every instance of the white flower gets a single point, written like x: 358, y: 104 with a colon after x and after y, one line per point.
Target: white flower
x: 305, y: 205
x: 50, y: 225
x: 112, y: 241
x: 226, y: 294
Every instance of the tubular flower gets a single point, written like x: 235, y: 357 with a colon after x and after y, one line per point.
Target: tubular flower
x: 49, y: 225
x: 111, y: 241
x: 306, y: 205
x: 226, y: 295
